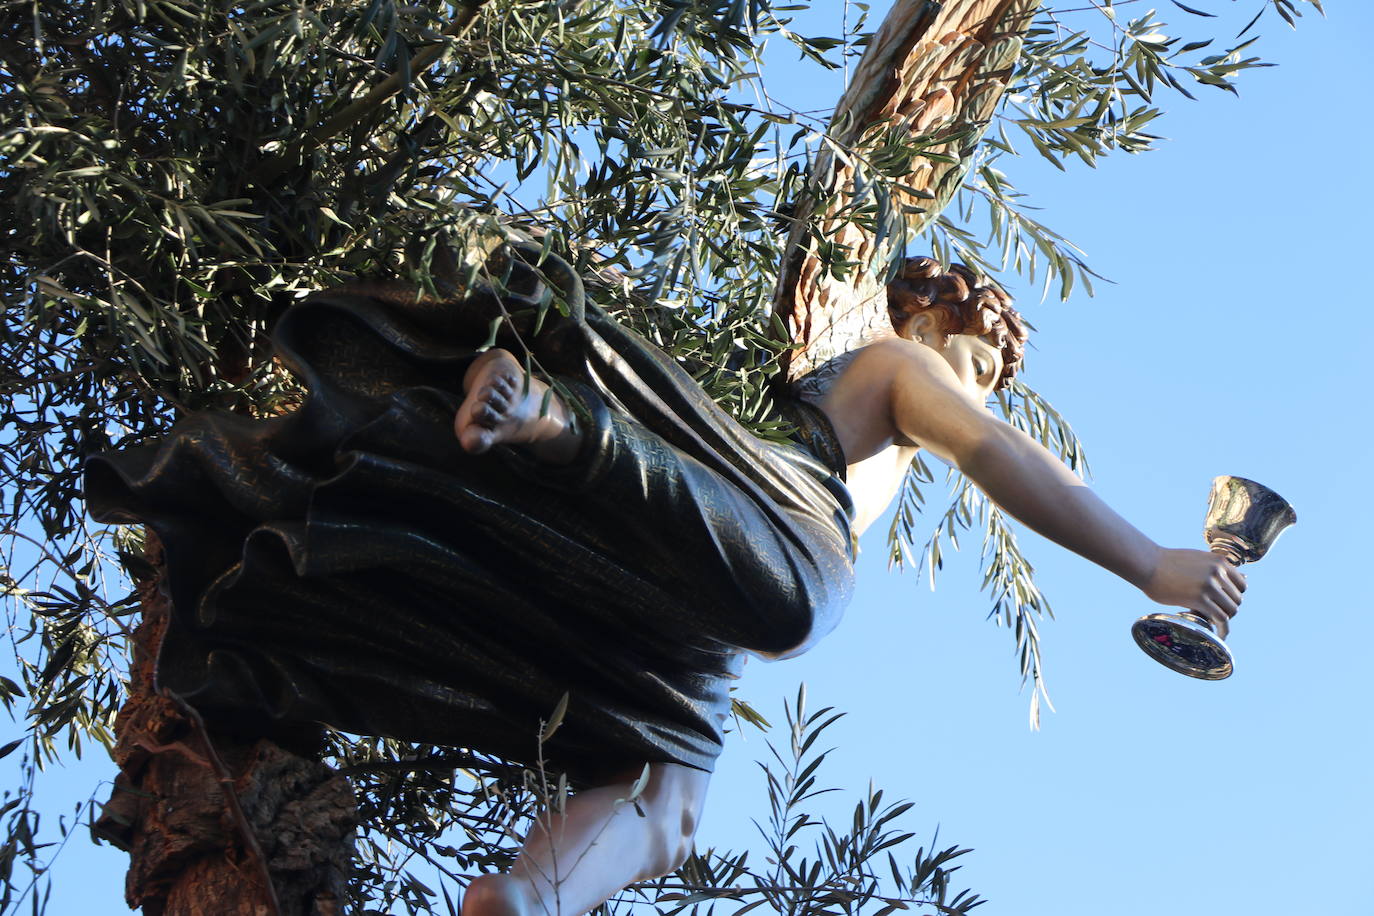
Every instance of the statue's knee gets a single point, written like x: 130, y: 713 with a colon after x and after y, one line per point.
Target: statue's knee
x: 678, y: 843
x: 497, y: 895
x: 674, y: 796
x: 670, y: 850
x: 679, y: 854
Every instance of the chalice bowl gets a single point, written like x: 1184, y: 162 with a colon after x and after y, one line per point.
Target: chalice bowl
x: 1243, y: 521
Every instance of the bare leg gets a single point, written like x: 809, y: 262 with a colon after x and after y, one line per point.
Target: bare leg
x: 502, y: 405
x: 573, y: 861
x: 599, y: 844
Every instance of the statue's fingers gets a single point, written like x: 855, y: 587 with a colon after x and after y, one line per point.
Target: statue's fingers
x: 1222, y: 599
x: 1215, y: 616
x: 1229, y: 588
x: 1237, y: 577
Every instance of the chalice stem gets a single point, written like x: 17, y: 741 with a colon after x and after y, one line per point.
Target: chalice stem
x: 1228, y: 552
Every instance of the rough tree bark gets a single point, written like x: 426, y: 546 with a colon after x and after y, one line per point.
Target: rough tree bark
x: 215, y: 824
x: 220, y: 826
x: 934, y: 72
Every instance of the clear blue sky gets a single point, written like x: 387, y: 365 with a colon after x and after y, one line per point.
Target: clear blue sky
x: 1233, y: 341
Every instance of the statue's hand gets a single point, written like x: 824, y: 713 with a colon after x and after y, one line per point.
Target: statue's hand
x: 1198, y: 580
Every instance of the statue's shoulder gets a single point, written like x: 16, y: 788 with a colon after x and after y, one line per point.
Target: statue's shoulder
x: 816, y: 384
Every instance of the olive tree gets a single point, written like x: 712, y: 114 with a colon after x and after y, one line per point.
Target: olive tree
x: 175, y: 174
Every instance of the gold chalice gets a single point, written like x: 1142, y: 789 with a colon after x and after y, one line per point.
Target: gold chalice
x: 1243, y: 521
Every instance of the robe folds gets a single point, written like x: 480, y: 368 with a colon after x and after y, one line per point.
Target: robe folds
x: 348, y: 563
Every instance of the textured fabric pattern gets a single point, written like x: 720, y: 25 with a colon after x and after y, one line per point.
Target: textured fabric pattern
x: 350, y: 564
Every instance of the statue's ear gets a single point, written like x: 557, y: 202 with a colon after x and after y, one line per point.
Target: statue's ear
x: 921, y: 326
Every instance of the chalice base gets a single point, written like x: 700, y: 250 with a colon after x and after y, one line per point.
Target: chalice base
x: 1184, y: 644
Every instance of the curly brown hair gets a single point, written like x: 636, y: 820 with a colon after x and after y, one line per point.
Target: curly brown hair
x: 961, y: 306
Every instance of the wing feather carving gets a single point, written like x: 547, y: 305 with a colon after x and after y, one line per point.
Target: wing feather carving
x: 934, y: 72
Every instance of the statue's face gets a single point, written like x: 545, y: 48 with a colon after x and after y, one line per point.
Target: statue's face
x: 976, y: 362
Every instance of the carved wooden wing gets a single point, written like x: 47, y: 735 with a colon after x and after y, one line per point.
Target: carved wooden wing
x: 936, y: 72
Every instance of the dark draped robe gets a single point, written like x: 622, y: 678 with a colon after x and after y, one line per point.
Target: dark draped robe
x: 350, y: 564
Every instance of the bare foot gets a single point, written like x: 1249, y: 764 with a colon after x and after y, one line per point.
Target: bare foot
x: 502, y: 407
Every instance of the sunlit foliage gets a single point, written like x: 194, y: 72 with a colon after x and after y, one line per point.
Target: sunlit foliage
x: 174, y: 173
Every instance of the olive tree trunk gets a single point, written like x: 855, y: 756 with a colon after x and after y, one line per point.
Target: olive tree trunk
x: 215, y: 824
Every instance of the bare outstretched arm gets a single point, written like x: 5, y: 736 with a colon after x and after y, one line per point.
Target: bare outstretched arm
x: 928, y: 405
x: 1031, y: 484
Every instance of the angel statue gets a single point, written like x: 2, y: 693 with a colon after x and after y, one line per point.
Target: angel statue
x: 447, y: 537
x: 438, y: 545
